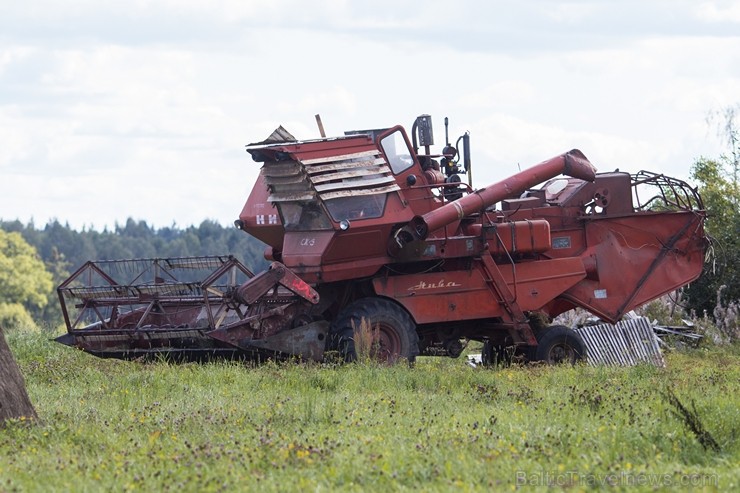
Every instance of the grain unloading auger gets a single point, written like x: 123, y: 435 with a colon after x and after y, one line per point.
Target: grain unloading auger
x: 373, y: 230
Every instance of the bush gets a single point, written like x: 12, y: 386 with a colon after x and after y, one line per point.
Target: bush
x: 15, y: 316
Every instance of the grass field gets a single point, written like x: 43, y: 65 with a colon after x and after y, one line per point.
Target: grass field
x: 116, y: 426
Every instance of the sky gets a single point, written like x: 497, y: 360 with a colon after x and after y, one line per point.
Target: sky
x: 142, y: 109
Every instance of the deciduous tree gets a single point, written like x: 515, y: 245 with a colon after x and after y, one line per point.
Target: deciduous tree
x: 720, y: 190
x: 25, y: 284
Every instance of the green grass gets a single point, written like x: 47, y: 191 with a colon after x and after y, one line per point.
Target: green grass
x: 442, y: 425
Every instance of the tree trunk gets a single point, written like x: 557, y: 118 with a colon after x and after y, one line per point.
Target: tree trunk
x: 14, y: 401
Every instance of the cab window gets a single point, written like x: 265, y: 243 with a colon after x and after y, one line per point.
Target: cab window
x: 356, y: 207
x: 303, y: 216
x: 397, y: 152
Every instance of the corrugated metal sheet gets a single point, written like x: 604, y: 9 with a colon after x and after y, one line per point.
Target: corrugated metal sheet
x: 627, y: 343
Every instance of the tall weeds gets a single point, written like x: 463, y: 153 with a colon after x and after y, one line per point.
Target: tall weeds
x: 366, y: 340
x: 727, y: 318
x: 690, y: 418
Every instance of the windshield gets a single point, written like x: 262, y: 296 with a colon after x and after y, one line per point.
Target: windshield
x: 356, y: 207
x: 397, y: 152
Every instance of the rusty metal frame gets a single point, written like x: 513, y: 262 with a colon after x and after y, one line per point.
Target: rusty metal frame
x: 672, y: 192
x: 498, y: 284
x: 115, y: 294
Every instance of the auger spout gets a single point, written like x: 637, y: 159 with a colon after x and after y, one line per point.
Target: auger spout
x: 572, y: 163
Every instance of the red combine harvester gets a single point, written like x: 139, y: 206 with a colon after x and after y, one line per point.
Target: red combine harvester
x: 373, y: 230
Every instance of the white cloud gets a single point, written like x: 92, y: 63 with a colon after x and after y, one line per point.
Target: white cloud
x: 142, y: 109
x: 335, y: 98
x: 571, y: 12
x: 17, y: 144
x: 727, y: 11
x: 504, y: 145
x: 508, y: 93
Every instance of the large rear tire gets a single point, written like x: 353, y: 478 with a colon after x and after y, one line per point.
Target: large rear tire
x: 392, y: 330
x: 559, y: 344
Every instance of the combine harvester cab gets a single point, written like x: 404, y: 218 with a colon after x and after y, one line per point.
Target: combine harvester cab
x: 373, y: 232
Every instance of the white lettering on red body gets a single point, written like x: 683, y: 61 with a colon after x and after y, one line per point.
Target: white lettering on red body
x: 441, y: 284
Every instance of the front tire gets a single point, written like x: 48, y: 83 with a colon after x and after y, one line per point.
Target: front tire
x: 559, y: 344
x: 392, y: 331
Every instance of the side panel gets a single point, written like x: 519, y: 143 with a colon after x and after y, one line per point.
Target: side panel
x: 261, y: 218
x: 305, y: 248
x: 467, y: 295
x: 638, y: 259
x: 304, y: 252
